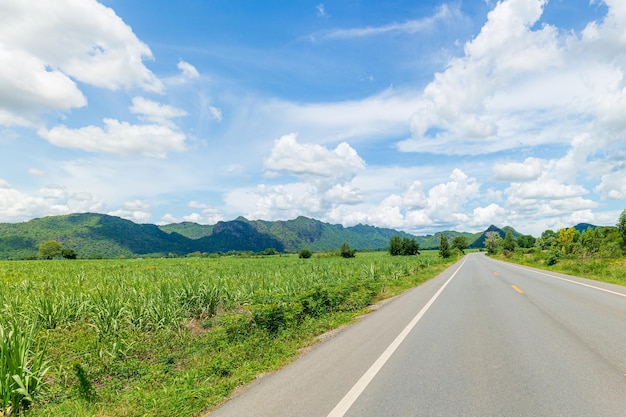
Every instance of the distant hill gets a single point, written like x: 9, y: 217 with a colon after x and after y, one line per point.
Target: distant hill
x: 301, y: 233
x: 93, y: 235
x: 479, y: 242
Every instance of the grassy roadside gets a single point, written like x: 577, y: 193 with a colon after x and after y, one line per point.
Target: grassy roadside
x: 611, y: 270
x: 108, y: 361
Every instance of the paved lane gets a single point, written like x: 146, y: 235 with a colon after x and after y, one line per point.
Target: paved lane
x: 499, y: 340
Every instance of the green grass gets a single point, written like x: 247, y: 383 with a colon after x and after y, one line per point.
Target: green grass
x: 611, y: 270
x: 165, y: 337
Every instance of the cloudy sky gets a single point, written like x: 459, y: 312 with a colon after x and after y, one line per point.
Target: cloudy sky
x: 416, y: 115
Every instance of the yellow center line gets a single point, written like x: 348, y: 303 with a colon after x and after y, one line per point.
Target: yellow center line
x: 517, y: 289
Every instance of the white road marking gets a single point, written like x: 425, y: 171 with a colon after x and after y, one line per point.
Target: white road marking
x: 569, y: 280
x: 346, y: 402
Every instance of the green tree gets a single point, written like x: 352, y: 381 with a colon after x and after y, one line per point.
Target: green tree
x: 566, y: 239
x: 493, y: 242
x: 509, y: 242
x: 621, y: 225
x: 346, y: 252
x: 69, y: 253
x: 50, y: 249
x: 526, y: 241
x: 410, y: 247
x: 395, y: 245
x: 444, y: 247
x: 305, y: 254
x: 548, y: 239
x: 460, y: 243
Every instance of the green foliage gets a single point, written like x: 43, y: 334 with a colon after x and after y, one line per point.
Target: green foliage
x: 459, y: 243
x: 86, y: 389
x: 219, y: 321
x: 621, y: 225
x: 566, y: 239
x: 403, y: 246
x: 50, y: 249
x: 305, y: 254
x: 509, y: 242
x: 22, y: 368
x: 526, y: 241
x: 346, y: 252
x: 69, y: 253
x: 553, y: 257
x: 444, y: 247
x: 493, y: 242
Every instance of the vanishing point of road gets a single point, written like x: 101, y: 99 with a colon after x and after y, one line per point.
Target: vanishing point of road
x: 484, y: 338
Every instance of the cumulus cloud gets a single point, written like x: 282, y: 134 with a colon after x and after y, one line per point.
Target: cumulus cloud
x: 207, y: 215
x: 118, y: 138
x: 16, y: 206
x: 40, y: 57
x: 522, y: 85
x: 315, y: 161
x: 137, y: 211
x: 529, y: 170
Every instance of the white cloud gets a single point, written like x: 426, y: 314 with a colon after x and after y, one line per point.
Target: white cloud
x: 119, y: 138
x: 17, y: 206
x: 380, y: 116
x: 529, y: 170
x: 444, y: 13
x: 613, y: 185
x: 314, y: 161
x: 486, y: 216
x: 154, y: 111
x: 41, y: 57
x: 137, y: 211
x: 188, y: 71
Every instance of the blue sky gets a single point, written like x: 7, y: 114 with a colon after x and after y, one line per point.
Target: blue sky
x: 420, y: 116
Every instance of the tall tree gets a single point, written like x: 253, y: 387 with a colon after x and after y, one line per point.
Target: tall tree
x: 395, y: 245
x: 444, y: 247
x: 509, y: 242
x: 493, y: 241
x: 621, y: 225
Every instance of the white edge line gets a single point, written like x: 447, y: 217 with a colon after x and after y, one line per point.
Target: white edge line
x: 346, y: 402
x: 568, y: 280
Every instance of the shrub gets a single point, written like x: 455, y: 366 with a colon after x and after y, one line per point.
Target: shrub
x: 346, y: 252
x: 553, y: 257
x: 305, y: 254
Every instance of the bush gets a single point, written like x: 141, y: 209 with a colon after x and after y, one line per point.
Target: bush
x: 553, y: 257
x: 305, y: 254
x: 346, y: 252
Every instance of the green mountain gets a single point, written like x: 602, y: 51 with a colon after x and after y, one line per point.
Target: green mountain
x: 479, y: 242
x: 93, y: 235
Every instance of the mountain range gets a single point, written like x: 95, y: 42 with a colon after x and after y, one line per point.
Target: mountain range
x: 93, y: 235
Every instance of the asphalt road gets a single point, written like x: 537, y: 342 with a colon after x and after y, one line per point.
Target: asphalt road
x: 485, y: 338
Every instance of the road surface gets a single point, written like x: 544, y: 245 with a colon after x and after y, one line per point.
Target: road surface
x: 484, y: 338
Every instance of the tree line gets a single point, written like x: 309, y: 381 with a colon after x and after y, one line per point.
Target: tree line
x: 594, y: 242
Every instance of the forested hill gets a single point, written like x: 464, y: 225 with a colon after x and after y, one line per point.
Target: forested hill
x: 92, y: 235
